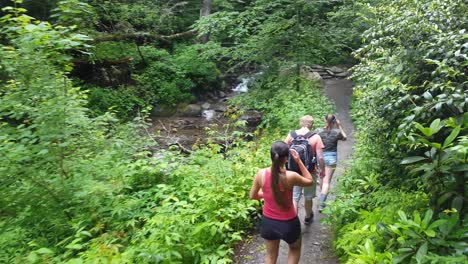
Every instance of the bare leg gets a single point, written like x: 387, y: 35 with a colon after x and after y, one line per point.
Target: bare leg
x: 308, y: 207
x: 329, y: 170
x: 294, y: 252
x: 327, y: 179
x: 272, y: 248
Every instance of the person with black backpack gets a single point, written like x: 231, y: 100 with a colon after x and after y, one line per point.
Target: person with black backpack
x: 309, y: 146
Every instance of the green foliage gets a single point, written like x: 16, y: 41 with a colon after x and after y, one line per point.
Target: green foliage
x: 162, y: 16
x: 281, y: 102
x: 125, y: 102
x: 443, y: 164
x: 175, y: 79
x: 88, y: 189
x: 409, y: 108
x: 413, y: 239
x: 58, y: 165
x: 276, y: 32
x: 115, y: 51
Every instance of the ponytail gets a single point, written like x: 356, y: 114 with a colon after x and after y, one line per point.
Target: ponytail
x: 330, y: 120
x: 276, y: 177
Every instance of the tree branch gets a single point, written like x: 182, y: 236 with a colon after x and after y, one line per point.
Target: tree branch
x: 143, y: 36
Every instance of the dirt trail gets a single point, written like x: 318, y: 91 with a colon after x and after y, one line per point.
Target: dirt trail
x: 316, y: 238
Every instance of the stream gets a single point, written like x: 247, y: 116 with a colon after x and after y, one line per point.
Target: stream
x: 189, y: 124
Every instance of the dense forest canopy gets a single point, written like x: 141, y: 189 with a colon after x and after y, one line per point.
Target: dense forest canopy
x: 83, y: 182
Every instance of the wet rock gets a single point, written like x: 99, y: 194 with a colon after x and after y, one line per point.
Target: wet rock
x: 306, y: 69
x: 211, y: 95
x: 318, y: 67
x: 252, y: 117
x: 336, y: 69
x: 191, y: 110
x: 219, y: 107
x: 314, y: 76
x: 341, y: 74
x: 206, y: 106
x: 162, y: 111
x: 222, y: 94
x: 330, y: 72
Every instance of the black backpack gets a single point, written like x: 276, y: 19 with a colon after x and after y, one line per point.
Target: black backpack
x: 300, y: 143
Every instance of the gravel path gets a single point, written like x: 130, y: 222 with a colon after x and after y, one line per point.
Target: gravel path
x: 316, y: 238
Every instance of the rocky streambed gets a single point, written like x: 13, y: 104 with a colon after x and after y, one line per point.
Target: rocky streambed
x: 189, y: 124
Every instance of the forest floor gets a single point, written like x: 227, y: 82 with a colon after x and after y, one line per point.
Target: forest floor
x: 316, y: 237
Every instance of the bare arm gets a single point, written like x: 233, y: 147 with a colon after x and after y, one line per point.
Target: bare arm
x: 338, y: 123
x: 288, y: 139
x: 255, y: 192
x: 318, y: 148
x: 296, y: 179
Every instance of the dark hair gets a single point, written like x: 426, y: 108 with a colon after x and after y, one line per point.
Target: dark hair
x: 330, y: 119
x: 279, y: 151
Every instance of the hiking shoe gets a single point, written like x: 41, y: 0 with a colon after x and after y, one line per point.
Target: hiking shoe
x: 308, y: 220
x: 321, y: 207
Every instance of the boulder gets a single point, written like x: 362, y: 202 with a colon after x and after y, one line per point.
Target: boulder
x: 306, y: 69
x: 219, y: 107
x: 161, y: 111
x: 336, y: 69
x: 314, y: 76
x: 206, y: 106
x: 252, y: 117
x: 191, y: 110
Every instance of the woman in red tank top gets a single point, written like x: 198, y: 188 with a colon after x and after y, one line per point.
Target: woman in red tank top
x: 279, y: 220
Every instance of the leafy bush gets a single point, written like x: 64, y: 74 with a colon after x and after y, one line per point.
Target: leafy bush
x: 125, y: 102
x: 176, y: 78
x: 409, y: 107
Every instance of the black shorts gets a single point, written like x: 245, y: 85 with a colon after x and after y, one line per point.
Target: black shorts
x: 287, y: 230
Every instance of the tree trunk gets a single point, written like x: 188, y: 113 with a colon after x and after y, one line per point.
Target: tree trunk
x: 205, y: 11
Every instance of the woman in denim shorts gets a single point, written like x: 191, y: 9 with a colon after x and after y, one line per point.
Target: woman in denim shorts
x: 330, y: 134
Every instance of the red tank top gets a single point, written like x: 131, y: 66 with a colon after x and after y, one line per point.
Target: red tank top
x: 270, y: 208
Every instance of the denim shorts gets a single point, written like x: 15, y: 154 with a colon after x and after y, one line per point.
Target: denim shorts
x: 309, y: 191
x: 329, y: 158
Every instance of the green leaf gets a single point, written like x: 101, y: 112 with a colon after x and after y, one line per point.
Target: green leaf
x: 44, y: 251
x: 422, y: 251
x: 427, y: 218
x: 444, y: 197
x: 427, y: 95
x: 402, y: 216
x: 413, y: 159
x: 451, y: 137
x: 430, y: 233
x: 437, y: 223
x: 417, y: 217
x: 425, y: 130
x: 401, y: 257
x: 436, y: 125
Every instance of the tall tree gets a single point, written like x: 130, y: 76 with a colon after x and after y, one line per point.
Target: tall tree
x: 204, y: 12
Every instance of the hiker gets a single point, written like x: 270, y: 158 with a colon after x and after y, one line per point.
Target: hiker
x: 330, y: 134
x: 279, y: 217
x: 306, y: 123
